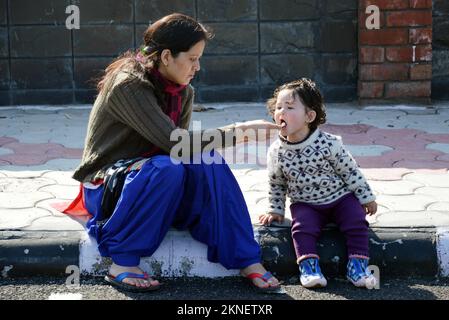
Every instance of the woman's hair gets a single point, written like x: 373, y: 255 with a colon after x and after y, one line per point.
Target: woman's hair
x: 175, y: 32
x: 307, y: 91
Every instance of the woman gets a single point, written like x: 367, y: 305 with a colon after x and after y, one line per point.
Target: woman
x: 129, y: 183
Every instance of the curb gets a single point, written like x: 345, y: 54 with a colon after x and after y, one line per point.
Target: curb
x: 31, y: 253
x: 395, y: 251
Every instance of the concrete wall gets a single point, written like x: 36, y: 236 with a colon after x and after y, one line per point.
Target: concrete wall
x: 258, y: 45
x: 440, y: 68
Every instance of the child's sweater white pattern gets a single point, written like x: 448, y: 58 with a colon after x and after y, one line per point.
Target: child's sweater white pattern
x: 318, y: 170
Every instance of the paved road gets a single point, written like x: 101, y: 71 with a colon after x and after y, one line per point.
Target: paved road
x: 226, y: 289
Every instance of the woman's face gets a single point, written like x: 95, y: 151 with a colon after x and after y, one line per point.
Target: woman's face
x: 183, y: 68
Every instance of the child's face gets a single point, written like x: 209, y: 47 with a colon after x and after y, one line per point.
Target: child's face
x: 292, y: 115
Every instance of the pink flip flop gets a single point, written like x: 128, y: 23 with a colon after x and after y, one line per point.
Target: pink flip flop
x: 265, y: 277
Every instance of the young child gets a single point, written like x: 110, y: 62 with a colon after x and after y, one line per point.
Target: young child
x: 322, y: 181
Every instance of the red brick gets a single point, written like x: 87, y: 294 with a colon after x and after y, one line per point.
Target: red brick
x: 409, y: 18
x: 420, y: 4
x: 408, y: 89
x: 385, y: 4
x: 372, y: 54
x: 391, y: 71
x: 421, y: 72
x: 371, y: 89
x: 383, y: 37
x: 420, y: 36
x: 409, y: 53
x: 399, y: 54
x: 423, y: 53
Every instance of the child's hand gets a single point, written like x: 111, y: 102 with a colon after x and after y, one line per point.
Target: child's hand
x: 268, y: 218
x: 370, y: 208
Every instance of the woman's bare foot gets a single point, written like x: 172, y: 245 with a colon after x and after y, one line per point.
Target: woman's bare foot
x: 259, y: 268
x: 115, y: 270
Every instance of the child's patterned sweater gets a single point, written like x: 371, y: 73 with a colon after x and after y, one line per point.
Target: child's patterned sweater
x: 318, y: 170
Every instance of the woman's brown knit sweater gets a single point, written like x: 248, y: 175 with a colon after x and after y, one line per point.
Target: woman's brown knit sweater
x: 127, y: 120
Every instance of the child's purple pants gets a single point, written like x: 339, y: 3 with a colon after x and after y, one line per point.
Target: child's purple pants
x: 308, y: 220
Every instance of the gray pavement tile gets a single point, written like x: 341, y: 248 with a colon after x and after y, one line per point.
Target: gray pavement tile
x: 412, y: 219
x: 5, y: 151
x: 243, y: 166
x: 260, y: 186
x: 412, y: 203
x: 62, y: 191
x: 24, y: 185
x: 381, y: 209
x: 63, y: 164
x: 22, y: 200
x: 52, y: 223
x: 437, y: 193
x: 439, y: 206
x: 443, y: 147
x: 385, y: 119
x: 335, y: 114
x: 385, y: 174
x: 401, y: 187
x: 254, y: 197
x: 444, y: 112
x: 12, y: 219
x: 32, y: 126
x: 47, y: 205
x: 240, y: 173
x: 430, y: 180
x: 426, y: 123
x: 261, y: 174
x: 51, y: 165
x: 367, y: 151
x: 21, y: 172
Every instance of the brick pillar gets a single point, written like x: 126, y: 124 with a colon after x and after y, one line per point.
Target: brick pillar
x: 395, y: 61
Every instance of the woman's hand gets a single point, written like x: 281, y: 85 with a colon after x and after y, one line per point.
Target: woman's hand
x: 258, y: 130
x: 268, y: 218
x: 370, y: 208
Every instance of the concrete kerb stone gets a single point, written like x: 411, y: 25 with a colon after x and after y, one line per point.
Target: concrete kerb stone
x: 443, y: 250
x: 401, y: 252
x: 395, y: 251
x: 38, y: 253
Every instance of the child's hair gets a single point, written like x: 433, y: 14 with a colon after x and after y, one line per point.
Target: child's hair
x: 307, y: 91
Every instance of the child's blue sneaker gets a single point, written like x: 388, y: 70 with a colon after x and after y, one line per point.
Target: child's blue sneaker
x: 311, y: 276
x: 359, y: 274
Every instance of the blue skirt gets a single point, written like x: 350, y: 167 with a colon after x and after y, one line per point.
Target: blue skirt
x: 202, y: 198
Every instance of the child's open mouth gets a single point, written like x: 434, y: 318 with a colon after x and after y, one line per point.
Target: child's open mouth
x: 283, y: 124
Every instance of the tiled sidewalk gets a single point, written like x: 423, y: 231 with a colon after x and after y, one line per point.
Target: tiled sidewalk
x: 404, y: 154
